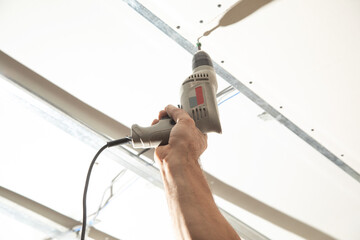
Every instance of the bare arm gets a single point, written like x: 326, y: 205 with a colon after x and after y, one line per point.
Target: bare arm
x: 190, y: 201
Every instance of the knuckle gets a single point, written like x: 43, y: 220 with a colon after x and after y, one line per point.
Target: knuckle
x: 189, y: 121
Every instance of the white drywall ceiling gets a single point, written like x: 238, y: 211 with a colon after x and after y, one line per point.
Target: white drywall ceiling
x: 301, y: 55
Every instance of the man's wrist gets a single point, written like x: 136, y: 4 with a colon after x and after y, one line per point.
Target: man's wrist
x: 181, y: 175
x: 177, y: 166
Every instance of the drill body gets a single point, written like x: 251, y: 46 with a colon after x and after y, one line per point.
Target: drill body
x: 198, y: 99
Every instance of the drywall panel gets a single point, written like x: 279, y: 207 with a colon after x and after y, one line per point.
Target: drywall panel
x: 265, y: 160
x: 128, y: 71
x: 302, y: 58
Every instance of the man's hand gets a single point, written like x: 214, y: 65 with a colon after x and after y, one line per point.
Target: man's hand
x: 185, y: 137
x: 191, y: 205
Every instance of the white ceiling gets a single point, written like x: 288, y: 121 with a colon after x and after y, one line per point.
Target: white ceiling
x: 301, y: 55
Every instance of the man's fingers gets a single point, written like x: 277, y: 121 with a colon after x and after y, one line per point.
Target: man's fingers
x: 155, y: 122
x: 162, y: 114
x: 173, y: 112
x: 176, y: 113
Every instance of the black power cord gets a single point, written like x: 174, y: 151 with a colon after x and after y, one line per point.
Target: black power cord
x: 107, y: 145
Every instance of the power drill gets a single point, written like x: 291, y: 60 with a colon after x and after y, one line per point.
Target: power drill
x: 198, y: 99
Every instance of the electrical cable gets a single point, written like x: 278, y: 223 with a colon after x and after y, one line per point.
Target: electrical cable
x: 107, y: 145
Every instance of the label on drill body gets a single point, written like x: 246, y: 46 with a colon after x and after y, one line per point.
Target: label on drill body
x: 196, y: 97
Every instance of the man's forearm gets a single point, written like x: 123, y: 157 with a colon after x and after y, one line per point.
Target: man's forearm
x: 192, y: 207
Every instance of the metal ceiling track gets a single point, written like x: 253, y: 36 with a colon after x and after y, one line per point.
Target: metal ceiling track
x: 192, y: 49
x: 94, y: 128
x: 40, y: 210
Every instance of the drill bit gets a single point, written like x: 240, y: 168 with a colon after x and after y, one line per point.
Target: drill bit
x: 198, y: 44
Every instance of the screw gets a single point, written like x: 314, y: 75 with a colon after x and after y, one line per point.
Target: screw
x: 219, y: 5
x: 178, y: 27
x: 201, y: 21
x: 250, y: 82
x: 222, y: 61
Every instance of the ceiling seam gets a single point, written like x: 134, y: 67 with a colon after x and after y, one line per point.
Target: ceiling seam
x: 192, y: 49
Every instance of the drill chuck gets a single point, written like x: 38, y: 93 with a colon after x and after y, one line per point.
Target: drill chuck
x: 201, y: 58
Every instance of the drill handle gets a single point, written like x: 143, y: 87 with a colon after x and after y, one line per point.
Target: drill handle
x: 151, y: 137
